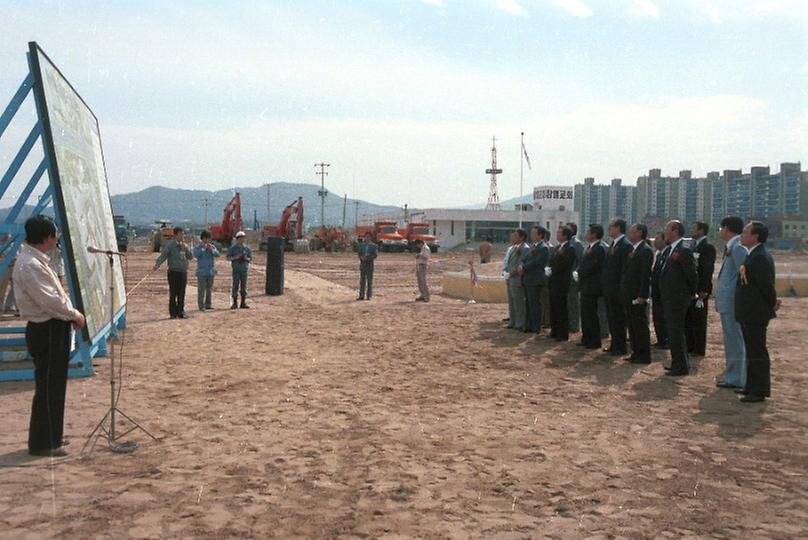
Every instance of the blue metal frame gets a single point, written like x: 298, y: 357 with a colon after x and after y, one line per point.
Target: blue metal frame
x: 85, y: 349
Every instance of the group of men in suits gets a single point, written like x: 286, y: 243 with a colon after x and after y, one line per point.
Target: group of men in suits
x: 674, y: 282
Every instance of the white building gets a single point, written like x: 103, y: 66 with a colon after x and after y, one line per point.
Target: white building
x: 454, y: 227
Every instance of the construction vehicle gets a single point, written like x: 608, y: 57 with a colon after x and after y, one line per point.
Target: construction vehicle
x: 121, y: 232
x: 419, y: 231
x: 385, y: 235
x: 290, y: 227
x: 162, y: 233
x: 330, y: 239
x: 224, y: 233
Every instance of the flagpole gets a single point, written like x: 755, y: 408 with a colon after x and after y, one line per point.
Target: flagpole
x: 521, y: 176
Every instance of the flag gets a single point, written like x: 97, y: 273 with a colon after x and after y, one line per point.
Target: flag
x: 473, y: 274
x: 527, y: 158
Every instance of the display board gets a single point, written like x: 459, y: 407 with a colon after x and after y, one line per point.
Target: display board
x: 79, y: 180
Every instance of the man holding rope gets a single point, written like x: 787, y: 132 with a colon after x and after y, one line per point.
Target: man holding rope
x: 44, y: 304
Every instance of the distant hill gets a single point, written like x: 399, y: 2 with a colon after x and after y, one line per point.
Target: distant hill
x: 187, y: 206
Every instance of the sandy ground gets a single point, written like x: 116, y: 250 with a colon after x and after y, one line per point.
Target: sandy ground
x: 312, y: 415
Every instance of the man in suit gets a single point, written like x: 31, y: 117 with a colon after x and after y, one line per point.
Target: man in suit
x: 573, y: 307
x: 561, y: 268
x: 696, y: 322
x: 546, y: 318
x: 590, y: 286
x: 516, y: 293
x: 616, y: 258
x: 756, y: 304
x: 734, y: 257
x: 635, y: 288
x: 534, y: 277
x: 658, y: 313
x: 678, y: 284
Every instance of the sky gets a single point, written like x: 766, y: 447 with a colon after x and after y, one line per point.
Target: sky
x: 402, y: 97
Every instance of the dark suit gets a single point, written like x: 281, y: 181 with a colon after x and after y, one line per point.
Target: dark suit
x: 755, y: 300
x: 591, y: 288
x: 615, y: 263
x: 678, y: 284
x: 546, y: 317
x: 534, y: 280
x: 696, y: 324
x: 636, y: 283
x: 660, y: 329
x: 559, y: 286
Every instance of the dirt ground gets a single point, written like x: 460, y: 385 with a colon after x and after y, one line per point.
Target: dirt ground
x: 313, y: 415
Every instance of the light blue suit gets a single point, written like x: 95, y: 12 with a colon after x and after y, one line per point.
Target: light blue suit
x: 725, y: 305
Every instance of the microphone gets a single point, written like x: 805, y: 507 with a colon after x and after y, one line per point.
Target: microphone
x: 105, y: 251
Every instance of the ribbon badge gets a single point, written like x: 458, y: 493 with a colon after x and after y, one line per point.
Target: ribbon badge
x: 742, y: 273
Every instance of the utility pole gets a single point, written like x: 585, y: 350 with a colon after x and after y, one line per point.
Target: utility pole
x: 206, y: 203
x: 255, y: 220
x: 356, y: 214
x: 344, y: 209
x: 269, y: 218
x: 521, y: 176
x: 322, y: 191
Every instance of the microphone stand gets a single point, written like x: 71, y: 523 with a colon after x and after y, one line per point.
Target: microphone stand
x: 101, y: 430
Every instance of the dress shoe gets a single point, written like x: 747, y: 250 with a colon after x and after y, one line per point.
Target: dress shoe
x: 640, y: 361
x: 667, y: 368
x: 742, y: 391
x: 724, y: 384
x: 562, y: 338
x: 233, y: 305
x: 673, y: 373
x: 506, y: 319
x: 509, y: 327
x: 244, y: 306
x: 360, y: 298
x: 593, y: 347
x: 183, y: 316
x: 628, y: 359
x: 660, y: 345
x: 49, y: 452
x: 752, y: 398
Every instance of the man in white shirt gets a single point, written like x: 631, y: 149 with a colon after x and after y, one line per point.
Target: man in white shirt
x: 421, y: 265
x: 44, y: 304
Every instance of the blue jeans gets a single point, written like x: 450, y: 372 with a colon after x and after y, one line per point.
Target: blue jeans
x: 239, y: 284
x: 204, y: 287
x: 734, y: 350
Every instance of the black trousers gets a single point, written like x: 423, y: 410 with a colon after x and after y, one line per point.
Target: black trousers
x: 365, y: 279
x: 534, y: 307
x: 696, y: 329
x: 638, y: 332
x: 617, y: 324
x: 758, y: 364
x: 590, y: 321
x: 658, y: 314
x: 559, y: 314
x: 49, y: 344
x: 675, y: 314
x: 177, y: 281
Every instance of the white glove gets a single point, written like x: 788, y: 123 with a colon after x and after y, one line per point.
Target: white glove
x: 548, y: 271
x: 699, y: 304
x: 575, y: 275
x: 505, y: 274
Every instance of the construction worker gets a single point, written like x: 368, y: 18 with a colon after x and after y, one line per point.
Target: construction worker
x: 421, y: 266
x: 205, y: 254
x: 368, y: 251
x: 239, y: 256
x: 177, y: 252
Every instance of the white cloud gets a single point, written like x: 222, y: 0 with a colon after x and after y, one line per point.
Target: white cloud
x: 576, y: 8
x: 643, y: 9
x: 718, y: 11
x: 511, y: 7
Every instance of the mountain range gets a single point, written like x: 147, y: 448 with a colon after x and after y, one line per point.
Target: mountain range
x: 194, y: 207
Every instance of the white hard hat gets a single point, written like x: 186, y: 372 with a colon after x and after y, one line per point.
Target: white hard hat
x: 240, y: 234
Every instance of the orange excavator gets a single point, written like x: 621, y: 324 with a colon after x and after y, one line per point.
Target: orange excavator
x: 290, y: 227
x: 331, y: 239
x: 231, y: 223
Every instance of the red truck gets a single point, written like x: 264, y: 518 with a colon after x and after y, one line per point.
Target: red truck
x: 419, y: 231
x: 385, y: 234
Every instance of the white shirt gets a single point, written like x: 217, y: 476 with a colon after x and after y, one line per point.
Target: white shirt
x: 37, y: 290
x: 750, y: 249
x: 616, y: 240
x: 424, y: 255
x: 673, y: 246
x: 637, y: 245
